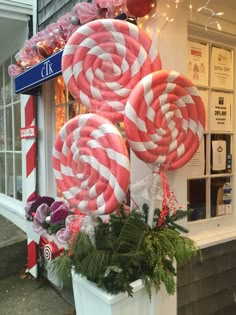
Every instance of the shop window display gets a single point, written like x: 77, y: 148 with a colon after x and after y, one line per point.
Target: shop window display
x: 65, y: 105
x: 211, y: 68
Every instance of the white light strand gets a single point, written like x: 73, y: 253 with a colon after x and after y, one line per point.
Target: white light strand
x: 156, y: 20
x: 210, y: 20
x: 190, y: 9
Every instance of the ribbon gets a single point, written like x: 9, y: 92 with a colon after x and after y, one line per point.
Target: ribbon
x: 49, y: 250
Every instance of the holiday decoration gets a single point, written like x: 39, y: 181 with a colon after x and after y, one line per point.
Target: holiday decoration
x: 213, y: 16
x: 49, y: 250
x: 139, y: 8
x: 39, y: 217
x: 125, y: 249
x: 103, y: 61
x: 111, y: 8
x: 67, y: 26
x: 165, y: 119
x: 29, y: 159
x: 64, y: 235
x: 91, y: 164
x: 47, y: 215
x: 85, y: 12
x: 164, y: 124
x: 113, y: 68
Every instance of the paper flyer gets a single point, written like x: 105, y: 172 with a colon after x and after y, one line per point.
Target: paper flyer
x: 222, y: 68
x: 198, y: 59
x: 221, y: 111
x: 218, y: 155
x: 196, y: 166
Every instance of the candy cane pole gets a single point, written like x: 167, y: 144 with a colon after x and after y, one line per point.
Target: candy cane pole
x: 28, y: 137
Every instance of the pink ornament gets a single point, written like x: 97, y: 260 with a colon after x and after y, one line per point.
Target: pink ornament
x: 66, y: 26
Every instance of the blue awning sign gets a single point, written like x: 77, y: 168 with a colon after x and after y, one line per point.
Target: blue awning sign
x: 29, y: 80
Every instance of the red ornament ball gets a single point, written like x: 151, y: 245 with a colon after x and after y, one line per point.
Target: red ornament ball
x: 44, y: 50
x: 139, y: 8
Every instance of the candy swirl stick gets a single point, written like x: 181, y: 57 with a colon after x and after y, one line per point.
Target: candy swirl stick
x: 103, y: 61
x: 164, y: 121
x: 48, y: 252
x: 91, y: 164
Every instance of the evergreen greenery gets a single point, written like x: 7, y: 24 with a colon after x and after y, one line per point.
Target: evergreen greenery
x: 125, y: 249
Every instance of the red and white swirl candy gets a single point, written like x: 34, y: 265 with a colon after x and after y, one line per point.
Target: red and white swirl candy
x: 91, y: 164
x: 165, y: 119
x: 103, y: 61
x: 48, y: 252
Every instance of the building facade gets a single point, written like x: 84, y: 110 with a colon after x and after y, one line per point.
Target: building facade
x: 206, y: 184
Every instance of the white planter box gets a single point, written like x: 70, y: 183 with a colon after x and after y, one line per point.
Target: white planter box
x: 90, y: 300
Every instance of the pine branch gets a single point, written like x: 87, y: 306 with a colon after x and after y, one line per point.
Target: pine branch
x: 62, y: 267
x: 131, y: 234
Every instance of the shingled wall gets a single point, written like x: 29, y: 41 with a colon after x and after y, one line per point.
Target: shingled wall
x: 209, y: 286
x: 50, y: 11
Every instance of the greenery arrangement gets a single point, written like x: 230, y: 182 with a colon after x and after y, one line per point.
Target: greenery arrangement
x: 126, y: 248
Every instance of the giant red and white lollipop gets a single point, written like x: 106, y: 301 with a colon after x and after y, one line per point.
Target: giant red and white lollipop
x: 164, y: 122
x: 165, y: 119
x: 103, y: 61
x: 91, y: 164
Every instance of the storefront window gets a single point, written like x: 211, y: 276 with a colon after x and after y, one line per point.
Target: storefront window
x: 66, y: 106
x: 10, y: 143
x: 210, y: 189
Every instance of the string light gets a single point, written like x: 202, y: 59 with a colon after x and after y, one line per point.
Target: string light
x: 157, y: 19
x: 210, y: 20
x: 177, y: 2
x: 191, y: 9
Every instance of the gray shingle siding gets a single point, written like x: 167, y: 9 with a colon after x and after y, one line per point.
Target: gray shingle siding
x: 209, y: 286
x: 49, y: 11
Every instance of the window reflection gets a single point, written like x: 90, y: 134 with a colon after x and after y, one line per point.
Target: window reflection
x: 197, y: 199
x: 10, y: 142
x: 8, y: 115
x: 2, y: 133
x: 17, y: 124
x: 65, y: 107
x: 2, y: 174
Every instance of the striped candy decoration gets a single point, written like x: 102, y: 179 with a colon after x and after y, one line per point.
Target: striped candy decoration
x: 103, y: 61
x: 165, y: 119
x: 91, y: 164
x: 29, y: 169
x: 29, y: 148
